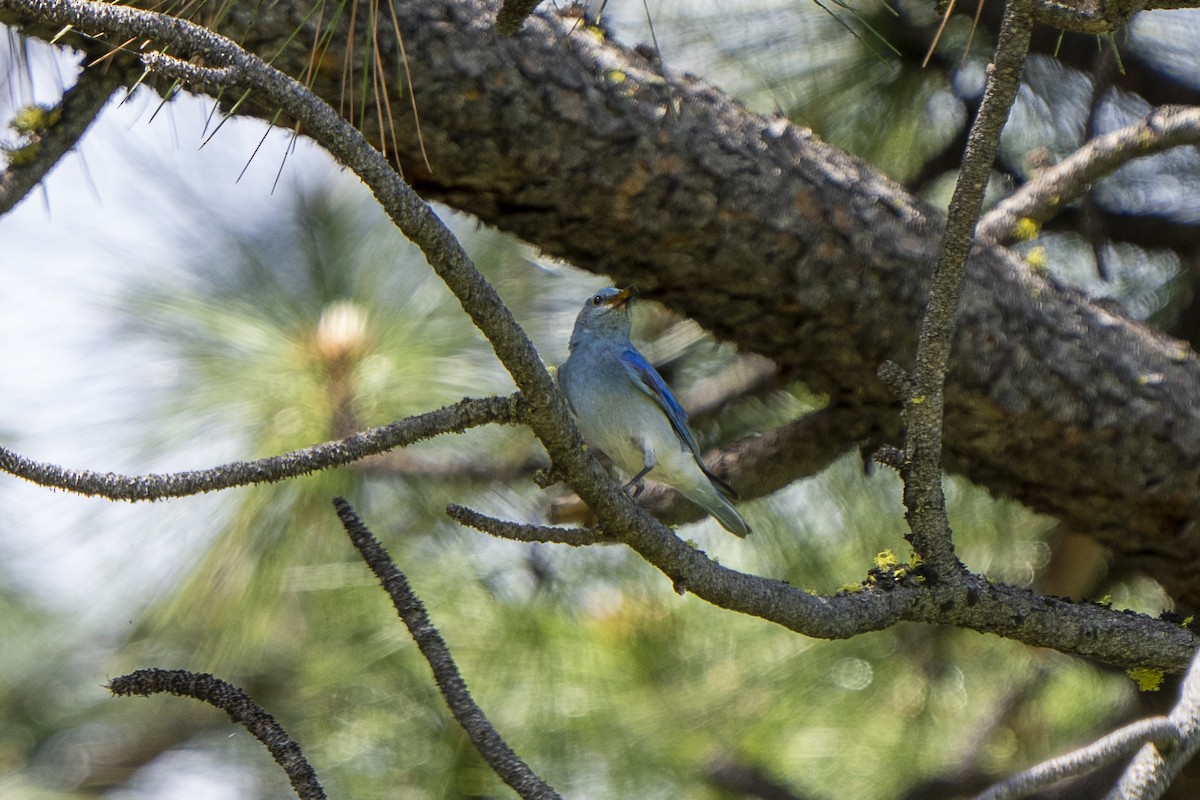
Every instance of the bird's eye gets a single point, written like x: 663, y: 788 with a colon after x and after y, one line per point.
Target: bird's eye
x: 597, y: 300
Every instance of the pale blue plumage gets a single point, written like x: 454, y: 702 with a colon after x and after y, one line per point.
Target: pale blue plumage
x: 626, y: 410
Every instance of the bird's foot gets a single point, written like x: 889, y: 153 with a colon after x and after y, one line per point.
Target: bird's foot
x: 634, y: 488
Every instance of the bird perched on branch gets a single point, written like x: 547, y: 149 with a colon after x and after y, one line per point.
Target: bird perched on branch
x: 626, y: 410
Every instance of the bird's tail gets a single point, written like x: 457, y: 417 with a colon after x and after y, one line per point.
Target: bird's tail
x: 714, y: 501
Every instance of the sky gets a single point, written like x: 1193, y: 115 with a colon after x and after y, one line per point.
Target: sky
x: 67, y: 380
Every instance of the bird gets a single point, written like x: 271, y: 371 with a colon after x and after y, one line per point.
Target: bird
x: 625, y: 409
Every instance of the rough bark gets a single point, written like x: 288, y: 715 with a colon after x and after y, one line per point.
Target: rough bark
x: 784, y: 245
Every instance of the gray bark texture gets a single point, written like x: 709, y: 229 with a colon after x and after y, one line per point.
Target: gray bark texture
x: 777, y: 242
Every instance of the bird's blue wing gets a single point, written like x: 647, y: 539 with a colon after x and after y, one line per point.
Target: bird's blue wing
x: 647, y: 377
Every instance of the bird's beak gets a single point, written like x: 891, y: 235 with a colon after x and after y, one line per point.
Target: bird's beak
x: 621, y: 299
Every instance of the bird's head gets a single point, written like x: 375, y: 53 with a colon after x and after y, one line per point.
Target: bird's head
x: 606, y: 313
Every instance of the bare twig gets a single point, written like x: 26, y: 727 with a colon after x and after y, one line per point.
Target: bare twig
x: 80, y: 106
x: 499, y: 756
x: 240, y: 708
x: 1157, y: 764
x: 456, y: 418
x: 1164, y: 745
x: 923, y: 407
x: 1055, y: 187
x: 1117, y: 745
x: 577, y: 537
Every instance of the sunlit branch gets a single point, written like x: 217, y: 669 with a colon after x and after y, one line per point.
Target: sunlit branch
x: 499, y: 756
x: 526, y: 533
x: 1057, y: 186
x: 1109, y: 749
x: 1155, y: 767
x: 1165, y: 745
x: 80, y: 106
x: 924, y: 401
x: 240, y: 708
x: 456, y: 418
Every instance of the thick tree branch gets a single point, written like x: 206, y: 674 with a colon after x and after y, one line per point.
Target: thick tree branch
x: 1097, y: 16
x: 1059, y: 185
x: 495, y: 751
x: 924, y: 402
x: 456, y: 418
x: 240, y: 708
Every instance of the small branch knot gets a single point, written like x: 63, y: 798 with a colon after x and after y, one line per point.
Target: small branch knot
x: 896, y: 379
x: 890, y: 456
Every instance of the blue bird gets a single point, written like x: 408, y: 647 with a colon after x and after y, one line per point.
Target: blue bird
x: 625, y: 409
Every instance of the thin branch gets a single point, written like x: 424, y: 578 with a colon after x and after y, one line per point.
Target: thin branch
x: 77, y: 110
x: 456, y: 418
x: 1154, y: 768
x: 576, y: 537
x: 499, y: 756
x: 923, y: 406
x: 1109, y: 749
x: 1057, y: 186
x: 240, y: 708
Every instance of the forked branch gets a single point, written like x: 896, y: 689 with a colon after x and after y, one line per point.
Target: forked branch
x: 1164, y: 745
x: 1059, y: 185
x: 923, y: 404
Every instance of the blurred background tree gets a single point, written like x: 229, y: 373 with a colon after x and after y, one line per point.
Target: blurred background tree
x: 311, y: 318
